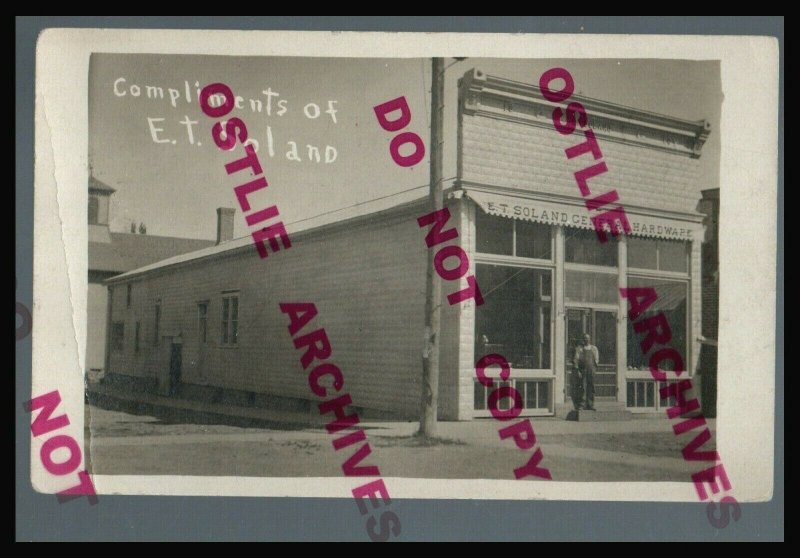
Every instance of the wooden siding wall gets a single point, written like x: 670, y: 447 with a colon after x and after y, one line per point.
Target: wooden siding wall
x: 531, y: 158
x: 368, y: 282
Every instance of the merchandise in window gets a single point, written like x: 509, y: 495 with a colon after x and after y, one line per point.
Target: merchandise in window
x: 672, y: 301
x: 514, y: 320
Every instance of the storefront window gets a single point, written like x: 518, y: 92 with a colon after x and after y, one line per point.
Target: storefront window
x: 514, y: 320
x: 512, y: 237
x: 672, y: 301
x: 583, y: 247
x: 662, y: 255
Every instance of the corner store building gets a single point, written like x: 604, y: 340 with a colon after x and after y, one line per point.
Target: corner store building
x: 209, y: 322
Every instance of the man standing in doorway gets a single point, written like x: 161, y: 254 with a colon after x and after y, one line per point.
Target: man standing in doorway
x: 584, y: 363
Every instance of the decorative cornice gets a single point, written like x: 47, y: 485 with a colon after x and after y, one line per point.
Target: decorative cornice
x: 510, y: 100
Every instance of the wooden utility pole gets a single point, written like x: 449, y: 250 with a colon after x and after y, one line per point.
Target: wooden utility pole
x: 433, y: 286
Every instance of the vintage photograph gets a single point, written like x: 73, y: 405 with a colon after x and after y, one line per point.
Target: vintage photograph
x: 274, y: 291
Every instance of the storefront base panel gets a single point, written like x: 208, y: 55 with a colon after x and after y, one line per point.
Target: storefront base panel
x: 536, y: 394
x: 641, y: 395
x: 604, y: 411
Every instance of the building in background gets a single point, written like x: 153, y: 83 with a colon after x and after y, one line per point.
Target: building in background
x: 208, y: 323
x: 110, y: 254
x: 707, y: 367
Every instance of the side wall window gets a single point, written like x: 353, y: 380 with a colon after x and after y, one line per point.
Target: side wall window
x: 230, y: 319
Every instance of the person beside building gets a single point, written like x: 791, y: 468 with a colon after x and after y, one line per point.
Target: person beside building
x: 585, y: 364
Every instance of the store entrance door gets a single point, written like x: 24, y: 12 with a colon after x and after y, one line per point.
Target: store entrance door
x: 601, y: 325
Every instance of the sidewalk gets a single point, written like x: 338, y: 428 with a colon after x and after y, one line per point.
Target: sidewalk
x: 481, y: 431
x: 199, y: 412
x: 147, y: 433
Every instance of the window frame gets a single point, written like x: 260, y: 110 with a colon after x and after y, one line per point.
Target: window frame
x: 513, y: 257
x: 596, y: 269
x: 137, y: 337
x: 524, y: 373
x: 687, y: 249
x: 687, y: 244
x: 687, y: 282
x: 487, y: 258
x: 229, y: 323
x: 202, y: 322
x: 600, y: 268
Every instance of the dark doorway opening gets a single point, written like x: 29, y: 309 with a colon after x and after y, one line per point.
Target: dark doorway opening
x: 601, y: 325
x: 175, y: 369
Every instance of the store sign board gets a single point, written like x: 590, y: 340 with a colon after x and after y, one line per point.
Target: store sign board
x: 553, y: 213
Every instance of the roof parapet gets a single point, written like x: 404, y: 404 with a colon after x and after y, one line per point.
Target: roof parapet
x: 496, y: 97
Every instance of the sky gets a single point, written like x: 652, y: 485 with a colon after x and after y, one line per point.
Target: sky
x: 141, y: 145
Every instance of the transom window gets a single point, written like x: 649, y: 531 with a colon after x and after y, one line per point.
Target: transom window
x: 583, y: 247
x: 660, y: 255
x: 588, y: 286
x: 512, y: 237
